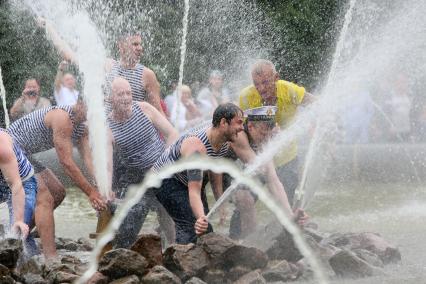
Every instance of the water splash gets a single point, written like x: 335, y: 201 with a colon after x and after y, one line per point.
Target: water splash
x: 182, y: 59
x: 3, y: 98
x: 79, y: 32
x: 153, y: 180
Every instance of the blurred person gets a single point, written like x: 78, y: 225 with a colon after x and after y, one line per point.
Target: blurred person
x: 65, y: 87
x: 144, y: 83
x: 186, y: 113
x: 136, y: 129
x: 18, y: 187
x: 258, y: 129
x: 268, y: 90
x: 171, y: 98
x: 213, y: 94
x: 58, y: 127
x: 29, y: 101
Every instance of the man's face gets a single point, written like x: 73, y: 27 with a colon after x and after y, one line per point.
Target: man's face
x: 131, y: 48
x: 264, y: 83
x: 31, y: 87
x: 260, y: 131
x: 233, y: 128
x: 121, y: 97
x: 68, y: 81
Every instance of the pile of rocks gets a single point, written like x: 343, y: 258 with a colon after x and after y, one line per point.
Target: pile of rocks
x: 268, y: 255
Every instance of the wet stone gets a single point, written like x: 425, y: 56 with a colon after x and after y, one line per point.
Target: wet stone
x: 159, y: 274
x: 7, y: 280
x: 149, y: 246
x: 369, y: 257
x: 253, y: 277
x: 214, y: 276
x: 57, y: 277
x: 33, y: 279
x: 280, y: 271
x: 4, y: 271
x: 132, y: 279
x: 214, y: 244
x: 348, y: 264
x: 31, y: 266
x: 10, y: 250
x: 195, y: 280
x: 119, y: 263
x: 98, y: 278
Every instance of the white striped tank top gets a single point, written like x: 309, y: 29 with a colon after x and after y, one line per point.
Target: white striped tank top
x: 172, y: 154
x: 137, y: 140
x: 33, y: 136
x: 133, y: 75
x: 24, y: 166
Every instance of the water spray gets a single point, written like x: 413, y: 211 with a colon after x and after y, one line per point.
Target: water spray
x: 3, y: 97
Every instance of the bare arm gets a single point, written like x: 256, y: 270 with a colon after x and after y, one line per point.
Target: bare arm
x: 10, y: 171
x: 152, y: 88
x: 242, y: 148
x: 160, y: 122
x: 61, y: 126
x: 216, y: 180
x: 17, y: 110
x: 308, y: 98
x: 59, y: 76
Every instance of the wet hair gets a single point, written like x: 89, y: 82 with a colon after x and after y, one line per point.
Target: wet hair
x: 259, y: 66
x: 227, y: 111
x: 32, y: 78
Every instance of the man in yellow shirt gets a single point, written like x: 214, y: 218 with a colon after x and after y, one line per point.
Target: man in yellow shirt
x: 268, y: 89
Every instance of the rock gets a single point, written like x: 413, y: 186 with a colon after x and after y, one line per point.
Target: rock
x: 369, y: 257
x: 280, y: 271
x: 238, y: 255
x: 214, y: 276
x: 10, y: 250
x: 119, y: 263
x: 85, y: 244
x: 132, y: 279
x: 316, y: 235
x: 253, y: 277
x: 31, y: 266
x: 195, y: 280
x: 214, y: 244
x: 185, y: 261
x: 159, y: 274
x: 57, y: 277
x: 275, y: 241
x: 348, y: 264
x: 32, y: 278
x: 4, y: 271
x: 7, y: 280
x: 369, y: 241
x: 98, y: 278
x: 237, y: 272
x: 149, y: 246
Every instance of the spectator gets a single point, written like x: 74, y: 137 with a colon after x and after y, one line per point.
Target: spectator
x: 213, y: 95
x: 170, y: 100
x: 29, y: 101
x: 65, y: 91
x: 186, y: 113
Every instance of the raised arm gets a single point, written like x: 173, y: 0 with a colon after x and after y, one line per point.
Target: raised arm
x: 152, y: 88
x: 160, y: 122
x: 10, y: 171
x: 61, y: 126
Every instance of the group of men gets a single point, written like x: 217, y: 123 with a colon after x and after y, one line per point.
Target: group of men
x: 142, y: 140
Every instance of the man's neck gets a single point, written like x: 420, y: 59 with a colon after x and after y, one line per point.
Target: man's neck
x: 216, y: 139
x: 128, y: 63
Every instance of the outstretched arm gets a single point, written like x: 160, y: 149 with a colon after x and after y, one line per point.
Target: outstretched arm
x: 160, y: 122
x: 152, y: 88
x: 61, y: 126
x: 10, y: 171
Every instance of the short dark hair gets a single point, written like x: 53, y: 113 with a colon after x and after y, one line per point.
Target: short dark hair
x: 227, y: 111
x: 32, y: 78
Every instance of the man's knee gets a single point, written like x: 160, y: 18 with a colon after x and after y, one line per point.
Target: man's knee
x: 55, y: 188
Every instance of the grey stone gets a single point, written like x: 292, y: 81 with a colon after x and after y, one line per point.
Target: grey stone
x: 348, y: 264
x: 185, y: 261
x: 369, y: 257
x: 253, y: 277
x: 10, y: 250
x: 280, y: 271
x: 132, y: 279
x: 32, y: 278
x: 4, y: 271
x: 159, y: 274
x: 214, y: 276
x: 195, y: 280
x: 214, y: 244
x: 119, y: 263
x: 149, y: 246
x: 31, y: 266
x: 7, y: 280
x: 98, y: 278
x: 85, y: 244
x: 57, y: 277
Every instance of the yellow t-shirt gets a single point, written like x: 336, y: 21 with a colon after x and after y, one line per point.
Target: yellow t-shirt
x: 289, y: 96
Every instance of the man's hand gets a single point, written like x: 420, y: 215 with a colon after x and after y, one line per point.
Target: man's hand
x: 97, y: 201
x: 20, y: 228
x: 300, y: 216
x: 201, y: 225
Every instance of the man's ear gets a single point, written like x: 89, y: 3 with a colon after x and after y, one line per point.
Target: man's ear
x: 276, y: 76
x: 223, y: 122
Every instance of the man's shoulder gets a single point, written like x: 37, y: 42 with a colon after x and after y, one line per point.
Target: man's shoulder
x: 249, y: 91
x: 285, y: 88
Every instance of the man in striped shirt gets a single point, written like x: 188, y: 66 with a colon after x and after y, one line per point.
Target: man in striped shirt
x: 136, y: 129
x: 58, y: 127
x: 18, y: 188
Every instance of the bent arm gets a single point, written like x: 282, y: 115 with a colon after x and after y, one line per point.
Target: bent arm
x: 160, y: 122
x: 152, y: 88
x: 216, y: 180
x: 276, y: 188
x: 16, y: 110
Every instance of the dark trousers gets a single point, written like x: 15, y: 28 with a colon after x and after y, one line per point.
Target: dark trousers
x: 174, y: 197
